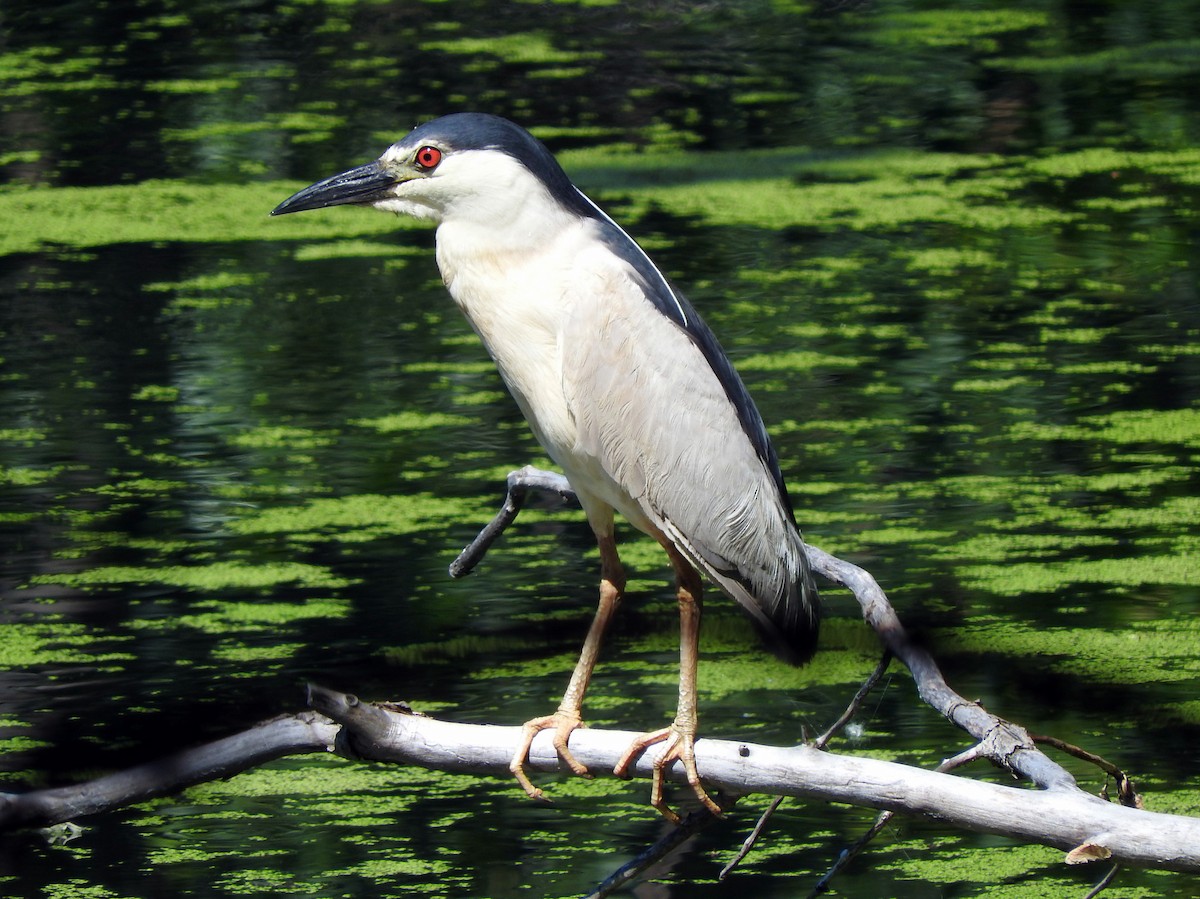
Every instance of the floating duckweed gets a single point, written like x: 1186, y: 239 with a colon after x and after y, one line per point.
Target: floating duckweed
x: 25, y: 477
x: 1140, y: 652
x: 237, y: 652
x: 991, y: 385
x: 403, y: 422
x: 955, y: 27
x: 950, y: 260
x: 24, y: 645
x: 207, y: 283
x: 351, y: 249
x: 1075, y: 335
x: 219, y: 617
x: 217, y: 576
x: 528, y: 47
x: 22, y: 436
x: 1149, y: 426
x: 350, y: 519
x: 1014, y: 579
x: 280, y: 436
x: 455, y: 648
x: 158, y: 393
x: 192, y: 85
x: 796, y: 361
x: 179, y: 211
x: 1007, y: 866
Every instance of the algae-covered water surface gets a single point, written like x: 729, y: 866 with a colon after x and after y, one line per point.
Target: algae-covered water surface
x: 950, y: 249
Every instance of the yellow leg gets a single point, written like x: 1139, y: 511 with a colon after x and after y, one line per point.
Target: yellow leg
x: 569, y: 714
x: 680, y: 737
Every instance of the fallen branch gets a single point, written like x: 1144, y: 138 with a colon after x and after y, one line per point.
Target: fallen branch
x: 286, y: 735
x: 1063, y: 818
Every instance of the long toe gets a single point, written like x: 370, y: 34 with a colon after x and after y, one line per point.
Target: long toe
x: 637, y: 747
x: 683, y: 750
x: 563, y: 724
x: 680, y: 748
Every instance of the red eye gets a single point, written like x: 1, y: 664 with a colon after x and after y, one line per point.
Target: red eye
x: 429, y: 157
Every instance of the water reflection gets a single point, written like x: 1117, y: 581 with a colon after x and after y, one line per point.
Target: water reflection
x: 231, y: 465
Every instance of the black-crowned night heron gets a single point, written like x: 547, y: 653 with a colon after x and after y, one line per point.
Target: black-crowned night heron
x: 622, y: 382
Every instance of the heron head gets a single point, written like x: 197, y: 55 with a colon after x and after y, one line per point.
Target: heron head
x: 468, y: 165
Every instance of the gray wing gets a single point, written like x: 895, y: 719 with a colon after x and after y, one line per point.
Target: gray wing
x: 655, y: 414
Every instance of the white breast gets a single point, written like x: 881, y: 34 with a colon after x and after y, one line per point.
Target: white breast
x: 513, y: 294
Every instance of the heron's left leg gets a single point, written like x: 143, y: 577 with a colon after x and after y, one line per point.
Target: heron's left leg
x: 570, y: 710
x: 680, y: 737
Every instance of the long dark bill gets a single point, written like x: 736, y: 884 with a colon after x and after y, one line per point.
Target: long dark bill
x: 362, y: 185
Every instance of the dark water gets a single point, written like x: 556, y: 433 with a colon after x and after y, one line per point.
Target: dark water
x: 951, y: 250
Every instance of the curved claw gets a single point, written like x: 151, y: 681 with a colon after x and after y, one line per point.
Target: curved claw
x: 680, y: 748
x: 563, y: 725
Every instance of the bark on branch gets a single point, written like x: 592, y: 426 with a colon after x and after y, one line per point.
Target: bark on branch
x: 1065, y: 818
x: 286, y: 735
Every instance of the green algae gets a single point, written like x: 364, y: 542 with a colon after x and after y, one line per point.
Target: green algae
x: 527, y: 48
x: 220, y: 617
x: 1180, y: 426
x: 26, y: 477
x: 1015, y: 578
x: 78, y: 888
x: 795, y: 361
x: 281, y: 437
x: 887, y: 190
x: 944, y: 28
x: 31, y: 643
x: 454, y: 649
x: 350, y: 249
x: 350, y: 519
x: 224, y: 575
x: 1020, y: 872
x: 156, y: 212
x: 406, y: 421
x: 1142, y: 651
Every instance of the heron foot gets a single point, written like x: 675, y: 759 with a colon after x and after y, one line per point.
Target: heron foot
x: 563, y: 724
x: 680, y: 748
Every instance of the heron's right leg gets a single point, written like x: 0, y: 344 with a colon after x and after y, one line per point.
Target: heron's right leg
x: 569, y: 714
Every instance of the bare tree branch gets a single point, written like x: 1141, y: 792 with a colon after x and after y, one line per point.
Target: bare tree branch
x: 819, y: 743
x: 286, y: 735
x: 1061, y: 817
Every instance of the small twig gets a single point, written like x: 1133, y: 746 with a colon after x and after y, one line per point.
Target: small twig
x: 856, y: 703
x: 1126, y: 793
x: 1104, y: 883
x: 520, y: 482
x: 850, y: 853
x: 751, y: 839
x: 819, y: 743
x: 881, y: 821
x: 691, y: 825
